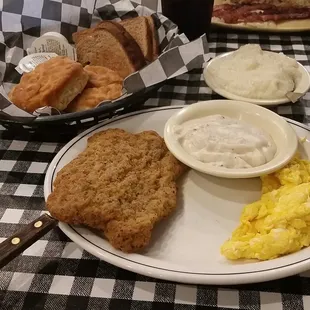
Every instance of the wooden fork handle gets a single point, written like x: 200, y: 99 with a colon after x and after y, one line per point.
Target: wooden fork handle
x: 24, y: 238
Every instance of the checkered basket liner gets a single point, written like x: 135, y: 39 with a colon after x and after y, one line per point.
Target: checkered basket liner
x: 23, y: 21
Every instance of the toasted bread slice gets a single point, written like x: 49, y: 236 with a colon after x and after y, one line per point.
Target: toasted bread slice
x: 155, y: 44
x: 140, y: 30
x: 109, y: 45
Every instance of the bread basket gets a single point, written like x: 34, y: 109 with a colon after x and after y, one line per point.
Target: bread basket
x: 66, y: 19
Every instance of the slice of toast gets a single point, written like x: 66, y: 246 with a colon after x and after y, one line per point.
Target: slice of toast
x: 140, y: 30
x: 154, y: 33
x: 108, y: 44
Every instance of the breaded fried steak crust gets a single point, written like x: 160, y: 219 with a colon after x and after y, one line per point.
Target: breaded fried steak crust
x: 122, y: 184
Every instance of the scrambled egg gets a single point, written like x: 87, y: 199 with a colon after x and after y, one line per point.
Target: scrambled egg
x: 279, y: 223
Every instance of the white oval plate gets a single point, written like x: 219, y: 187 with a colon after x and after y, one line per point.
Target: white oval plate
x: 279, y: 130
x: 302, y: 87
x: 186, y: 246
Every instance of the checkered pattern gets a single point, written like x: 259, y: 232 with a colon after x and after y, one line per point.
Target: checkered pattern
x: 23, y: 22
x: 191, y: 87
x: 55, y: 274
x: 123, y: 9
x: 179, y: 59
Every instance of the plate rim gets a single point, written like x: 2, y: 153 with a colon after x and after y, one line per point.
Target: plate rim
x: 158, y: 272
x: 261, y: 102
x: 258, y: 28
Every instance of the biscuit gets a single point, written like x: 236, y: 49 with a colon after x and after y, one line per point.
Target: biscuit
x: 103, y: 84
x: 91, y: 97
x: 54, y: 83
x: 101, y: 76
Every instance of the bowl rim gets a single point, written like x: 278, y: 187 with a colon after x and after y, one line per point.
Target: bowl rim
x: 282, y: 157
x: 263, y: 102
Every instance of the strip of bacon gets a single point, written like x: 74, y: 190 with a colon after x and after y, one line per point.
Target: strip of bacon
x: 233, y: 14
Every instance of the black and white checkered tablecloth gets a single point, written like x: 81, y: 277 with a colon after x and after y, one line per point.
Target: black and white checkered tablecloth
x: 55, y: 274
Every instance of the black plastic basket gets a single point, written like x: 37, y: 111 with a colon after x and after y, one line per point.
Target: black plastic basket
x: 88, y: 13
x: 174, y: 59
x: 72, y: 123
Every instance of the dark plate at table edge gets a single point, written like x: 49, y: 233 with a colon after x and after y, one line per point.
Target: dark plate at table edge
x: 250, y: 28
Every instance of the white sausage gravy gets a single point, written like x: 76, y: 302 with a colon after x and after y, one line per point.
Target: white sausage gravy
x: 225, y: 142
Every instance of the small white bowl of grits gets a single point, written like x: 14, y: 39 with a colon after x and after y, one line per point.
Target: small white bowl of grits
x: 253, y: 75
x: 230, y: 139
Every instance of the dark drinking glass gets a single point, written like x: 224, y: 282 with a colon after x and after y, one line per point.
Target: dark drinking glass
x: 192, y: 16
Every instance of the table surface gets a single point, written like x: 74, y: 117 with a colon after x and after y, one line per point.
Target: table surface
x: 55, y: 274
